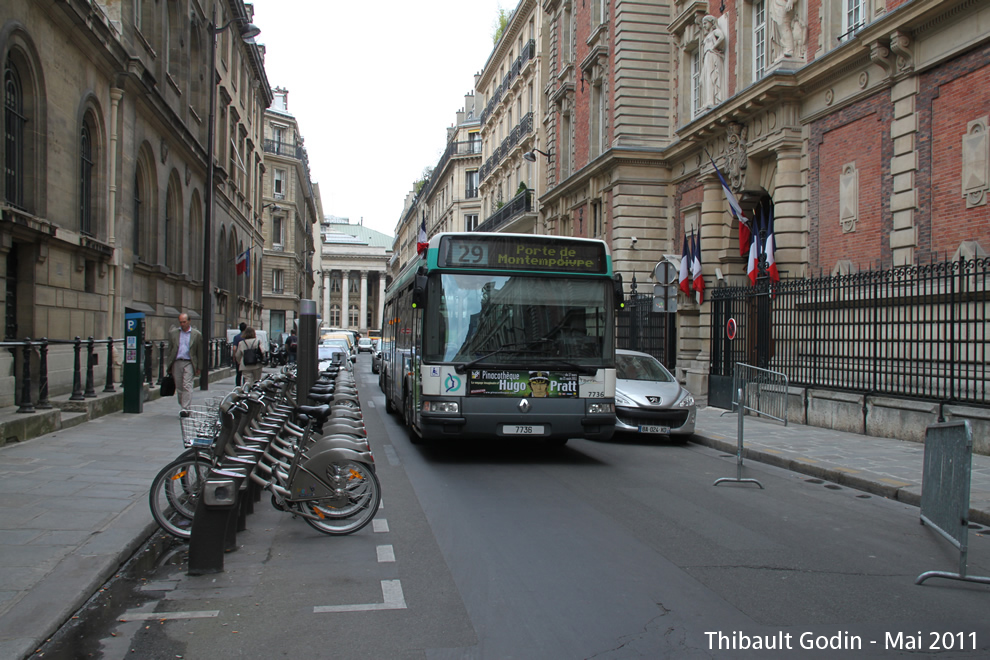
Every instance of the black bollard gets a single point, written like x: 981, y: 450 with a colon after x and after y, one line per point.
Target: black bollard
x: 147, y: 362
x: 43, y: 402
x: 109, y: 385
x: 77, y: 391
x: 161, y: 362
x: 26, y: 406
x: 90, y: 359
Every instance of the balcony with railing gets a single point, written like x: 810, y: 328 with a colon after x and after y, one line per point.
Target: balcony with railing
x: 287, y: 149
x: 518, y: 132
x: 518, y: 205
x: 528, y: 53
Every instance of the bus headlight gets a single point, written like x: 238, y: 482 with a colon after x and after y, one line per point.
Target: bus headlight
x: 601, y: 408
x: 441, y: 407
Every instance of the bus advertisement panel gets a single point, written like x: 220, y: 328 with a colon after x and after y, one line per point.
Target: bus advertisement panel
x: 493, y: 335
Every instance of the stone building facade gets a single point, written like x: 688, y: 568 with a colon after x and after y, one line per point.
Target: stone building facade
x: 510, y: 102
x: 863, y: 122
x: 292, y: 208
x: 102, y: 205
x: 353, y: 274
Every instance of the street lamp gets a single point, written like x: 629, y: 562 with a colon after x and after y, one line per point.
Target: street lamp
x: 247, y: 31
x: 531, y: 155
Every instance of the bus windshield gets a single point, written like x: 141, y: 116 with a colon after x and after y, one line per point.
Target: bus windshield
x: 519, y: 320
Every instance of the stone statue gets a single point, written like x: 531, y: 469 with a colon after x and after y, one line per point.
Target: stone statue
x: 712, y: 58
x: 787, y: 31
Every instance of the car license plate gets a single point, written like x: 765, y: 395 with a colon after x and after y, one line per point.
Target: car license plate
x: 519, y: 429
x: 654, y: 429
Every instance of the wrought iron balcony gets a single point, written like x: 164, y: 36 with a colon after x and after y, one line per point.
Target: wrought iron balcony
x: 521, y: 203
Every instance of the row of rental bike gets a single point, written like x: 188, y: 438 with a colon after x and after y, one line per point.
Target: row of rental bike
x: 314, y: 460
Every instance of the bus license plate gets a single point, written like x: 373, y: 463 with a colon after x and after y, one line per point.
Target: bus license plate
x: 518, y: 429
x: 654, y: 429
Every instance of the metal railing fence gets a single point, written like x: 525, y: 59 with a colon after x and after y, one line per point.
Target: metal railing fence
x: 917, y: 331
x: 31, y: 361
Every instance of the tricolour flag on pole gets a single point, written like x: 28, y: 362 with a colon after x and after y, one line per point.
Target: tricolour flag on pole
x: 422, y: 243
x: 771, y: 247
x: 753, y: 261
x: 735, y: 209
x: 243, y: 262
x: 685, y: 267
x: 699, y: 280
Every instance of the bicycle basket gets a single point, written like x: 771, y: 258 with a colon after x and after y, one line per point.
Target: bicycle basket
x: 200, y: 427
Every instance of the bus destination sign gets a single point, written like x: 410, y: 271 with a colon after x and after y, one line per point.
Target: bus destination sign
x: 515, y: 253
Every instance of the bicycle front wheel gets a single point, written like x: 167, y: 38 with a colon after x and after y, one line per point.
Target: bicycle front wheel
x: 175, y: 493
x: 358, y: 495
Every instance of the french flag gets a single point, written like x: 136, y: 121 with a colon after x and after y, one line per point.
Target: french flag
x: 771, y: 247
x: 753, y: 263
x: 421, y: 242
x: 685, y: 267
x: 699, y: 280
x: 735, y: 209
x: 242, y: 262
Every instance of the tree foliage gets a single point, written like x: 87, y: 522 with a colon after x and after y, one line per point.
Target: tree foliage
x: 501, y: 23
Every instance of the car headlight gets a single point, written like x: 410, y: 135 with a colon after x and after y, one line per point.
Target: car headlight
x: 686, y: 402
x: 622, y: 400
x: 600, y: 408
x: 441, y: 407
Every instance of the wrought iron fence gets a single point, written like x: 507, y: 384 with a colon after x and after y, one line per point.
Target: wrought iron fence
x: 639, y: 328
x: 918, y: 331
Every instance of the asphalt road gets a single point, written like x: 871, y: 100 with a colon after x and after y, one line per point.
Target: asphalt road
x: 596, y: 550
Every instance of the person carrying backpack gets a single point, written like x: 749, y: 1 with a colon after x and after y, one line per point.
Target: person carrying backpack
x: 249, y: 356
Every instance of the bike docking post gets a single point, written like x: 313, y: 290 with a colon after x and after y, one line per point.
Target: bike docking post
x: 945, y: 489
x: 215, y: 524
x: 739, y: 451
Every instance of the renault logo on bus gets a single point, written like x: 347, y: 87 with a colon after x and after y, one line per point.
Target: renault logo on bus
x: 524, y: 405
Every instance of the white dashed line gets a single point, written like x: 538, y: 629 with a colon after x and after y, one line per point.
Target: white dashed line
x: 385, y: 554
x: 391, y: 594
x: 379, y: 525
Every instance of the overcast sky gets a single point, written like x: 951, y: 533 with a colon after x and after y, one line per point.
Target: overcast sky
x: 374, y: 86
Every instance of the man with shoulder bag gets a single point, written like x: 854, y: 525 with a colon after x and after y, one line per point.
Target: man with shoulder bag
x: 184, y: 359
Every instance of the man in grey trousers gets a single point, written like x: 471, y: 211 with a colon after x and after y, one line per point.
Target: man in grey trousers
x: 185, y: 359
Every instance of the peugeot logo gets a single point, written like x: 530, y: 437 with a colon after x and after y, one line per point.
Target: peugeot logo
x: 655, y: 400
x: 524, y: 405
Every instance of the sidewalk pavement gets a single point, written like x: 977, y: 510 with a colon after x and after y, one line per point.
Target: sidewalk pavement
x: 74, y: 507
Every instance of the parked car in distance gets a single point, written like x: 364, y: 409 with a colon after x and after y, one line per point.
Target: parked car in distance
x: 376, y: 361
x: 365, y: 345
x: 649, y: 400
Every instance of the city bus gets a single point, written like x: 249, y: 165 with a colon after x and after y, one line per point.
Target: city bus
x: 500, y: 336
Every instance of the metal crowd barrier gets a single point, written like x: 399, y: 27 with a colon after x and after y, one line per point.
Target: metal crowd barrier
x: 760, y: 391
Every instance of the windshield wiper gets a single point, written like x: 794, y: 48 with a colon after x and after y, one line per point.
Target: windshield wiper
x: 461, y: 368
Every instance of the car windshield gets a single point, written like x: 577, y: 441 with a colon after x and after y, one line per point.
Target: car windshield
x: 557, y: 322
x: 641, y: 367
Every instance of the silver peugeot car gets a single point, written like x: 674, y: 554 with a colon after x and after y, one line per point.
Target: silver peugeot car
x: 648, y: 399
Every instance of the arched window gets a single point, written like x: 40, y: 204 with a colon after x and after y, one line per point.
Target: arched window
x: 14, y: 121
x: 195, y: 252
x: 171, y: 220
x: 86, y: 180
x: 138, y: 211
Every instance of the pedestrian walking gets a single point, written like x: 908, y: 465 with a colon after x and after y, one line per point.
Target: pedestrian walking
x: 249, y: 356
x: 236, y: 341
x: 290, y: 346
x: 185, y: 358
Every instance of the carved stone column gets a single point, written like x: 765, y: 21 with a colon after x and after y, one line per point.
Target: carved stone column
x: 903, y: 166
x: 363, y: 313
x: 345, y: 286
x: 326, y: 296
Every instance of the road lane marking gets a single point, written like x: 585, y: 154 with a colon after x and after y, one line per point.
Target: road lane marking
x: 391, y: 594
x: 379, y: 525
x: 393, y: 457
x: 385, y: 554
x: 159, y: 616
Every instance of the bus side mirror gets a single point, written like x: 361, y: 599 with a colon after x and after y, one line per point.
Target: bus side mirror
x: 419, y: 291
x: 619, y: 294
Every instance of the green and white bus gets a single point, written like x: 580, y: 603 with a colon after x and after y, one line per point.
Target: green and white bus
x: 503, y: 336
